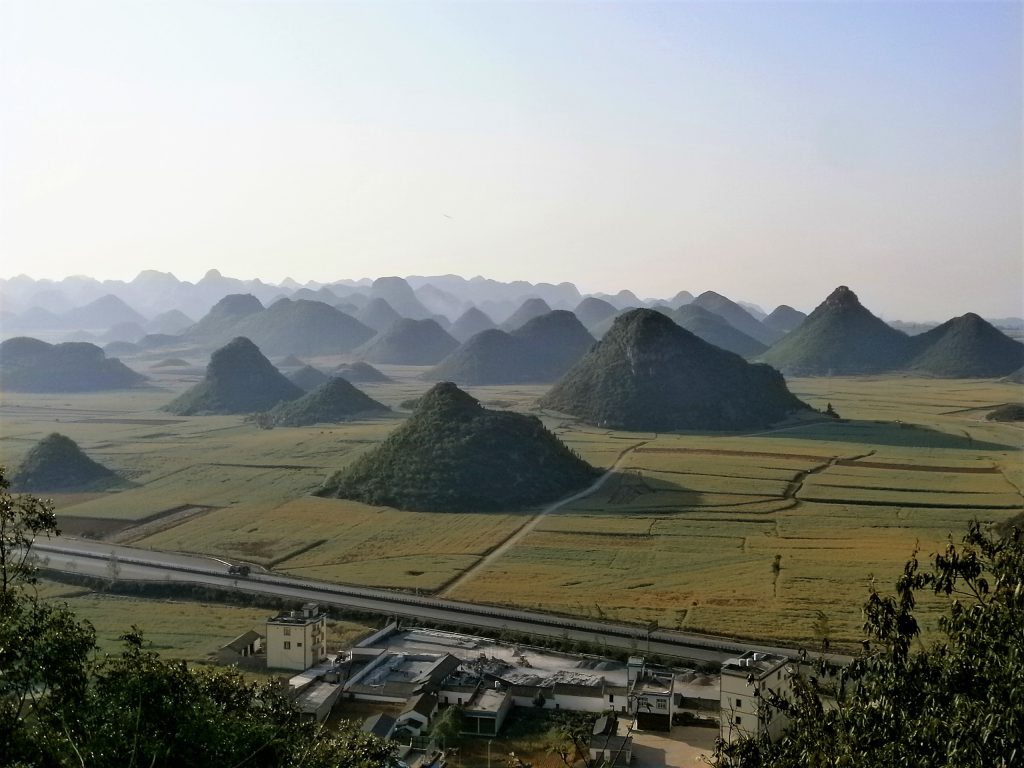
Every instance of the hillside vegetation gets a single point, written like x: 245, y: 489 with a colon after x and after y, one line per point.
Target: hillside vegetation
x: 239, y: 379
x: 409, y: 342
x: 647, y: 373
x: 454, y: 455
x: 540, y: 351
x: 56, y: 463
x: 31, y: 365
x: 334, y: 401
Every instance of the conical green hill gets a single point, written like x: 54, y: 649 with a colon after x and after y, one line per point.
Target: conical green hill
x: 470, y: 323
x: 593, y: 310
x: 56, y: 463
x: 378, y: 315
x: 839, y: 337
x: 553, y: 342
x: 304, y: 328
x: 336, y: 400
x: 409, y: 342
x: 784, y: 318
x: 453, y: 455
x: 489, y: 357
x: 540, y: 351
x: 647, y: 373
x: 737, y: 316
x: 966, y: 347
x: 239, y: 379
x: 360, y: 373
x: 715, y: 329
x: 31, y: 365
x: 219, y: 323
x: 308, y: 377
x: 528, y: 310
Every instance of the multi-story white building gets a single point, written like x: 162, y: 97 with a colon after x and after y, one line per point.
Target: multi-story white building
x: 297, y: 639
x: 746, y: 683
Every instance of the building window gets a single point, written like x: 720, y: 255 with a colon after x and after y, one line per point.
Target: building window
x: 611, y: 698
x: 660, y: 703
x: 738, y: 720
x: 298, y: 645
x: 287, y: 631
x: 287, y: 645
x: 739, y: 703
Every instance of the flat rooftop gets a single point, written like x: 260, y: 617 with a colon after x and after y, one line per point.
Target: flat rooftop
x: 753, y: 662
x: 525, y: 665
x: 487, y: 700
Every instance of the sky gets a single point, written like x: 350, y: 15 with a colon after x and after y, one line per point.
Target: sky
x: 768, y: 151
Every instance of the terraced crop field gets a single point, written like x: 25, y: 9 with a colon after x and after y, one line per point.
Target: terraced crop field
x: 771, y: 535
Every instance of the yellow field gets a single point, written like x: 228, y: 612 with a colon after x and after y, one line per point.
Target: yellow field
x: 687, y: 533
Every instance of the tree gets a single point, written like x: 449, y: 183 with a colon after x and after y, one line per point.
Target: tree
x: 447, y: 727
x: 61, y: 705
x: 569, y: 737
x: 957, y: 702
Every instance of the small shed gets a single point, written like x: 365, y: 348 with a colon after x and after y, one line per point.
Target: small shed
x: 247, y: 644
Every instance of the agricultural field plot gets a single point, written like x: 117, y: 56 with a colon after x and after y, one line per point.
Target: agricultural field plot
x: 345, y: 541
x: 686, y: 533
x: 888, y: 488
x: 177, y: 629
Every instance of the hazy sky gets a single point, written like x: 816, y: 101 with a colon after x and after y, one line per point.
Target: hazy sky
x: 767, y: 151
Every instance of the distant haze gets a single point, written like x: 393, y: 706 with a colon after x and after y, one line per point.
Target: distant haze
x: 769, y: 152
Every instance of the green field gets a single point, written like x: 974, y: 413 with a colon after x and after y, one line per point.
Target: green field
x: 176, y: 629
x: 687, y: 533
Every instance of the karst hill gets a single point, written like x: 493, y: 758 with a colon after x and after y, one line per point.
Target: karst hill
x: 334, y: 401
x: 239, y: 379
x: 408, y: 342
x: 840, y: 337
x: 31, y: 365
x: 454, y: 455
x: 647, y: 373
x: 360, y: 373
x: 538, y: 352
x: 57, y: 464
x: 965, y: 347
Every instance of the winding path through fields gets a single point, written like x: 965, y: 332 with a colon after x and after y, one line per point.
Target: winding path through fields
x: 528, y: 527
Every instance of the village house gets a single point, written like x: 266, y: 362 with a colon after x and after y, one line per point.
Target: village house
x: 746, y: 682
x: 297, y: 639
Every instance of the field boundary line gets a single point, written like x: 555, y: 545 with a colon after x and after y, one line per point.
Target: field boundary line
x: 520, y: 533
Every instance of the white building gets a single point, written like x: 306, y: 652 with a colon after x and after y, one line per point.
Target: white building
x: 297, y: 639
x: 747, y: 681
x: 651, y: 695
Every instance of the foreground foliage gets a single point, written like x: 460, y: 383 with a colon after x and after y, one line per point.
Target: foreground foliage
x: 959, y: 702
x: 61, y: 705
